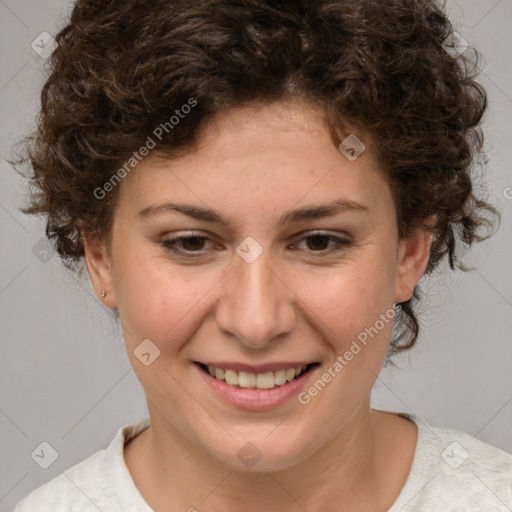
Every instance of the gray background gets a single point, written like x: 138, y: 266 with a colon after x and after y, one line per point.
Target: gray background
x: 64, y: 375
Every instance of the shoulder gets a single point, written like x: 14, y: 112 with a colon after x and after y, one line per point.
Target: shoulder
x: 453, y: 470
x: 100, y: 482
x: 79, y: 488
x: 461, y: 453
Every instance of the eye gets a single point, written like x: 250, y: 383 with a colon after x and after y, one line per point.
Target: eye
x: 319, y: 243
x: 189, y: 245
x: 193, y: 244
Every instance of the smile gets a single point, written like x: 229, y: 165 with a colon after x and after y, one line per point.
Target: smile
x: 249, y: 380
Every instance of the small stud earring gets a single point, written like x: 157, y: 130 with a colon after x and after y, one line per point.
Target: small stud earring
x: 103, y: 294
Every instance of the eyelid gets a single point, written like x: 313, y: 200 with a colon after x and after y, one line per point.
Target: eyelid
x: 320, y: 232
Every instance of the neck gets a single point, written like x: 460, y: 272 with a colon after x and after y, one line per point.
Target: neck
x: 348, y: 471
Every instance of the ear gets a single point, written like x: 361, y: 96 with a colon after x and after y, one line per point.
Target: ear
x: 413, y: 256
x: 98, y: 262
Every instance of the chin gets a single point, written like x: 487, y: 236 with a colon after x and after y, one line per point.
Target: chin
x: 262, y: 453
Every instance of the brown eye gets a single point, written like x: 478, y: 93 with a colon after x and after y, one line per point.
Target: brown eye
x: 193, y: 243
x: 185, y: 245
x: 320, y: 243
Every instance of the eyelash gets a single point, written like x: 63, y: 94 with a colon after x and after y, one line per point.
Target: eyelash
x: 170, y: 244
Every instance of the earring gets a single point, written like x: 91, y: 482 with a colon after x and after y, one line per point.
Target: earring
x: 103, y: 294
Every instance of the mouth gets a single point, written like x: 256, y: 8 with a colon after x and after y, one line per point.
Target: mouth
x: 251, y: 380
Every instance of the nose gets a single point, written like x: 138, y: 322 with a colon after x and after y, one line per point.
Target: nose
x: 256, y: 306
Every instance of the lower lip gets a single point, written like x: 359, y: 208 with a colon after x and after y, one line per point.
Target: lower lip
x: 256, y: 399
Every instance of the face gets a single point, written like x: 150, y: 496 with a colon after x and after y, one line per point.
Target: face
x: 209, y: 263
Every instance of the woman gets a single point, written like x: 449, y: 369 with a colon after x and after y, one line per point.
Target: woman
x: 195, y: 154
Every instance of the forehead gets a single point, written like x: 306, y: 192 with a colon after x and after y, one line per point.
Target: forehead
x: 276, y: 155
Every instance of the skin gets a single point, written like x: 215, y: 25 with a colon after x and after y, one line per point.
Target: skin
x: 297, y: 301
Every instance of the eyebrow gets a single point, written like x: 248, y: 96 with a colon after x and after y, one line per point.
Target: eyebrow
x: 310, y: 212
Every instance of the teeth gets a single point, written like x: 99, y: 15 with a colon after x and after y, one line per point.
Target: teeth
x: 230, y: 376
x: 267, y: 380
x: 246, y: 379
x: 280, y: 377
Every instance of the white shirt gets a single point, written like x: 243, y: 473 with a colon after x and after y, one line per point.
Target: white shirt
x: 451, y: 472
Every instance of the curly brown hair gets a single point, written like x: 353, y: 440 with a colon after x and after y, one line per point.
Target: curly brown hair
x: 121, y: 68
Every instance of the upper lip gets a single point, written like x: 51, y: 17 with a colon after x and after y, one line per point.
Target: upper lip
x: 251, y: 368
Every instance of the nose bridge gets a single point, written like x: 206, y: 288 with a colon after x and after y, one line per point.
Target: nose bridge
x: 255, y: 305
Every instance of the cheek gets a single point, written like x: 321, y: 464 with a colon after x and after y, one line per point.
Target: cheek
x: 168, y: 303
x: 350, y: 296
x: 352, y: 308
x: 161, y: 301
